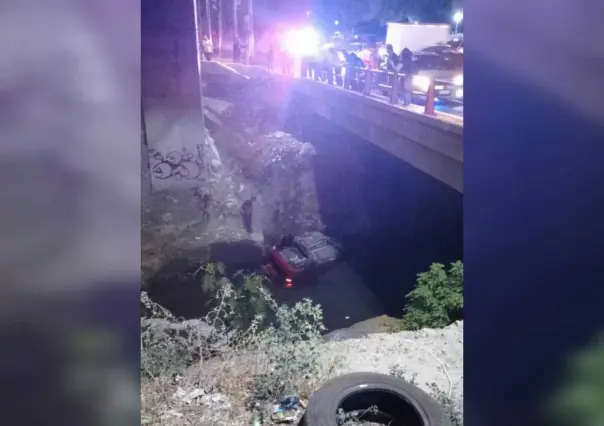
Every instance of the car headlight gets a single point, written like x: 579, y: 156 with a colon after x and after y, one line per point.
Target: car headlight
x: 421, y: 82
x: 458, y: 80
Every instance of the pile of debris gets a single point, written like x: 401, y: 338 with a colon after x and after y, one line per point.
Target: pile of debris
x: 283, y: 153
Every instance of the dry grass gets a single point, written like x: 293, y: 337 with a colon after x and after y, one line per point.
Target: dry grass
x: 236, y: 374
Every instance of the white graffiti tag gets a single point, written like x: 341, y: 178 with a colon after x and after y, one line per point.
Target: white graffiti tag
x: 178, y: 165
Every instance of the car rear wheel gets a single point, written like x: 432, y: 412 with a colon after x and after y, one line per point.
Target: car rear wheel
x: 372, y: 397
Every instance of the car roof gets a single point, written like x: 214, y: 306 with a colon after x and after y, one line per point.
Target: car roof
x: 318, y: 246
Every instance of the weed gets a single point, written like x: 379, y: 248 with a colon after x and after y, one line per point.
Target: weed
x: 400, y: 373
x: 237, y: 351
x: 291, y: 347
x: 437, y: 299
x: 452, y: 408
x: 578, y: 401
x: 354, y: 418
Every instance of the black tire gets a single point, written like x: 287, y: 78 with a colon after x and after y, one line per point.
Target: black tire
x: 420, y: 408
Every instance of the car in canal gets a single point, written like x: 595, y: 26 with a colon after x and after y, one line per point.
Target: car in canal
x: 300, y: 259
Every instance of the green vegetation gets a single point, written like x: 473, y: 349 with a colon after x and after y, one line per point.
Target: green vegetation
x: 451, y: 407
x: 247, y: 347
x: 579, y: 401
x: 437, y: 299
x: 252, y: 350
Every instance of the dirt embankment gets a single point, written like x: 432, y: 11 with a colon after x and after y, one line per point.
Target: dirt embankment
x: 247, y: 156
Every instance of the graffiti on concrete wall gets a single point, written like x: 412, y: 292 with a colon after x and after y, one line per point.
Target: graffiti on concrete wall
x: 176, y: 165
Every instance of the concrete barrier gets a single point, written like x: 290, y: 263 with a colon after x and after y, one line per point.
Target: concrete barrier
x: 431, y: 144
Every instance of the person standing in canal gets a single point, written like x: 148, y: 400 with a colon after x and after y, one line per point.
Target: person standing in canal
x: 247, y: 210
x: 236, y: 50
x: 207, y: 47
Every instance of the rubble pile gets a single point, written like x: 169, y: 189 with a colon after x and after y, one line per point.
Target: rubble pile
x: 282, y: 153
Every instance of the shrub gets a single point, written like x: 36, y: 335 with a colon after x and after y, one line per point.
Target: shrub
x: 171, y: 344
x: 437, y: 299
x: 163, y: 352
x: 248, y: 300
x: 291, y: 347
x: 452, y: 408
x: 234, y: 351
x: 579, y: 400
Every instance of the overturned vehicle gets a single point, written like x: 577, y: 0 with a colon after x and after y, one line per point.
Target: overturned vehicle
x: 301, y: 259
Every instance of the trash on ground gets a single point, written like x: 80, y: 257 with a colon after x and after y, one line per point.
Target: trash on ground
x: 286, y: 410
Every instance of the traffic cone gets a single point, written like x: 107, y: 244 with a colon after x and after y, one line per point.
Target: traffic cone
x: 429, y: 108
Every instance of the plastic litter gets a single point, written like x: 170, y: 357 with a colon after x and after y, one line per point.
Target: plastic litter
x: 286, y: 410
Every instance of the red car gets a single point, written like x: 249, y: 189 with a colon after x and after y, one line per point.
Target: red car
x: 298, y: 259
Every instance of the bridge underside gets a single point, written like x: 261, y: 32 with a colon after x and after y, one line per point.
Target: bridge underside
x: 427, y: 143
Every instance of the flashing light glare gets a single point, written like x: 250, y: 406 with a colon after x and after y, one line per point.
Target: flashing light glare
x: 458, y: 17
x: 421, y: 82
x: 459, y: 93
x: 288, y: 282
x: 336, y: 22
x: 382, y: 51
x: 458, y: 80
x: 304, y: 42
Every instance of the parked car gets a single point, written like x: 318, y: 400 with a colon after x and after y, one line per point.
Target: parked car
x: 446, y: 46
x: 299, y: 259
x: 445, y: 68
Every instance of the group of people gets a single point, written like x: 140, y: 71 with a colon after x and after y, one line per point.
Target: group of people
x: 239, y: 49
x: 329, y: 65
x: 402, y: 64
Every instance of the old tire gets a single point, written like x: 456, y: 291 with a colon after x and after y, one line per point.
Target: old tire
x: 406, y: 404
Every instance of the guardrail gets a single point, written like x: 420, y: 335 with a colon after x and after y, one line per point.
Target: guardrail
x: 389, y: 85
x: 366, y: 81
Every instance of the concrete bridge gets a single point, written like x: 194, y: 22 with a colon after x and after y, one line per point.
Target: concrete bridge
x: 432, y: 144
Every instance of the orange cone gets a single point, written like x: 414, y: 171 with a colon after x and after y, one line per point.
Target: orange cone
x: 429, y: 108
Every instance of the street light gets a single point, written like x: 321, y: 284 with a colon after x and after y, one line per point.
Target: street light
x: 457, y: 18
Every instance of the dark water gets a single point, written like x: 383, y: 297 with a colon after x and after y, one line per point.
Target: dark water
x: 392, y: 219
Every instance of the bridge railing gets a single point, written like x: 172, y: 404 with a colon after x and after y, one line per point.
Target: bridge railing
x: 371, y: 82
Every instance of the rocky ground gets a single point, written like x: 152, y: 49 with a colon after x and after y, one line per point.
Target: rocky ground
x: 247, y: 156
x: 422, y: 357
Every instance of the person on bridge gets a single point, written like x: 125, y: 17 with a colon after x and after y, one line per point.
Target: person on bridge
x: 334, y: 66
x: 391, y: 62
x: 354, y: 65
x: 247, y: 210
x: 374, y: 57
x: 392, y: 58
x: 407, y: 67
x: 207, y: 47
x: 236, y: 50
